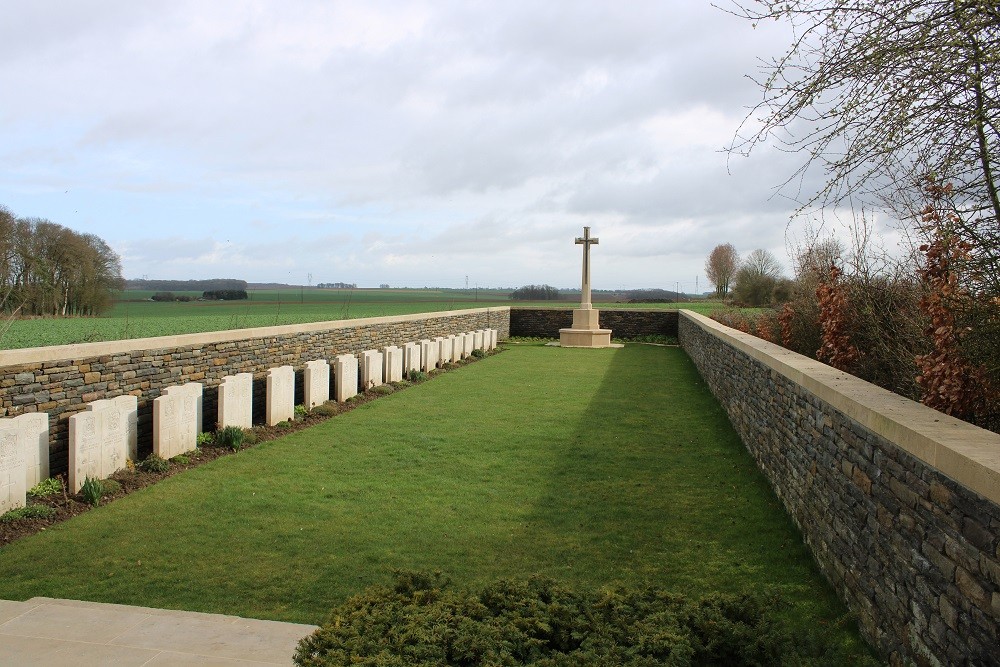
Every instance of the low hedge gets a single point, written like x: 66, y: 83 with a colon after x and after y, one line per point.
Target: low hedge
x: 423, y: 621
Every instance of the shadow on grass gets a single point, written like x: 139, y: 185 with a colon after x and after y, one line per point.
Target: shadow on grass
x: 654, y: 487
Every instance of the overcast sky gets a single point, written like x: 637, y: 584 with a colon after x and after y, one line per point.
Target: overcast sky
x: 405, y: 143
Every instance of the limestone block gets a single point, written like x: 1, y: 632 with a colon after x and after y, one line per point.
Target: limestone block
x: 316, y: 383
x: 99, y: 439
x: 491, y: 335
x: 478, y: 340
x: 280, y: 403
x: 470, y: 343
x: 392, y: 358
x: 195, y: 389
x: 411, y: 357
x: 456, y: 348
x: 371, y: 369
x: 236, y: 401
x: 24, y: 457
x: 428, y: 355
x: 445, y: 348
x: 345, y: 376
x: 175, y: 420
x: 128, y: 406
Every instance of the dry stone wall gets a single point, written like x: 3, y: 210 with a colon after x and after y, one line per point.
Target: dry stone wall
x: 898, y: 502
x: 61, y: 380
x: 626, y: 324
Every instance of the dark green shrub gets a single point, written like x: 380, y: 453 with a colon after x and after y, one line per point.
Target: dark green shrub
x: 479, y: 353
x: 28, y: 512
x: 416, y: 376
x: 154, y: 463
x: 182, y: 459
x: 384, y: 389
x: 327, y: 409
x: 92, y: 490
x: 46, y: 487
x: 300, y: 411
x: 422, y: 621
x: 232, y: 437
x: 110, y: 487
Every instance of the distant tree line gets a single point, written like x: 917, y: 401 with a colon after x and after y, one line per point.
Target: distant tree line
x: 187, y: 285
x: 225, y: 295
x: 535, y: 293
x: 48, y: 269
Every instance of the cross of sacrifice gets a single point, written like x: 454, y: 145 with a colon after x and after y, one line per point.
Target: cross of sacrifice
x: 586, y: 242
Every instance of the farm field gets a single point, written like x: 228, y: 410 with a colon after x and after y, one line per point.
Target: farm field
x: 599, y: 485
x: 135, y: 316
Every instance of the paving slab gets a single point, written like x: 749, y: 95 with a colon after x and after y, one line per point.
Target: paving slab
x: 51, y: 632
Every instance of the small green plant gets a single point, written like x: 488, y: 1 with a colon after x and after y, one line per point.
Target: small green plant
x: 250, y: 437
x: 46, y: 487
x: 416, y: 376
x: 384, y: 389
x: 285, y: 424
x: 110, y: 487
x: 479, y: 353
x: 204, y: 439
x: 154, y: 463
x: 28, y: 512
x: 232, y: 437
x: 300, y: 411
x: 402, y: 384
x: 182, y: 459
x: 92, y: 490
x: 328, y: 409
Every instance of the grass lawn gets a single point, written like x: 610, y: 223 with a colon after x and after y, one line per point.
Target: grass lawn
x: 594, y: 467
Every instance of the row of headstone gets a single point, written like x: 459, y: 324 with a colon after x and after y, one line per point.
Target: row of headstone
x: 104, y: 435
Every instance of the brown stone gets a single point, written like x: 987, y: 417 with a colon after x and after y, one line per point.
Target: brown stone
x: 971, y: 589
x: 948, y: 613
x: 940, y: 495
x: 862, y: 481
x: 91, y: 378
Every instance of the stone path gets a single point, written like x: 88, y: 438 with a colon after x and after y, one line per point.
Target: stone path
x: 53, y: 633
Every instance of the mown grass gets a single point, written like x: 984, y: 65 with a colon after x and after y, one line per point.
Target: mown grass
x: 595, y: 467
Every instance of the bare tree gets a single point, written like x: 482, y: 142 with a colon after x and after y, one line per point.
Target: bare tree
x: 882, y: 94
x: 756, y: 279
x: 720, y: 267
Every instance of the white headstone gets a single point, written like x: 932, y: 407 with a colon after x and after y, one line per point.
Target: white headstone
x: 392, y: 358
x: 493, y: 338
x: 444, y: 350
x: 280, y: 404
x: 24, y: 457
x: 236, y: 401
x: 479, y: 340
x: 316, y: 383
x: 175, y: 420
x: 345, y: 376
x: 457, y: 347
x: 194, y: 389
x: 411, y: 357
x: 100, y: 439
x: 469, y: 342
x: 371, y: 369
x: 428, y: 355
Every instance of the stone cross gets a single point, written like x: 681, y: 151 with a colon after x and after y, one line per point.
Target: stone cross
x: 586, y: 242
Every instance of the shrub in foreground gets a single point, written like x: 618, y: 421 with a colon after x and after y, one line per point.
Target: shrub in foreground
x: 422, y: 621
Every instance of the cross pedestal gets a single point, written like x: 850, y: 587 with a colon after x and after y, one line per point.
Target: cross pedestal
x: 585, y: 332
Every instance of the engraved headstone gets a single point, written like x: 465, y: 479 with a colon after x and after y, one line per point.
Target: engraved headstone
x: 194, y: 389
x: 236, y: 401
x: 101, y: 439
x: 478, y: 340
x: 469, y: 342
x: 411, y: 357
x: 345, y: 376
x: 371, y: 369
x: 175, y: 420
x: 457, y: 347
x: 392, y: 358
x: 280, y: 404
x: 428, y: 355
x: 24, y: 457
x: 444, y: 350
x: 316, y: 383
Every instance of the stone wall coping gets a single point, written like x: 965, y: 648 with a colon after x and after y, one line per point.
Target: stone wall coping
x: 32, y: 355
x: 967, y: 453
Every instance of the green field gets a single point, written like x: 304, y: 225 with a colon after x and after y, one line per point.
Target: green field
x: 135, y: 316
x: 592, y: 467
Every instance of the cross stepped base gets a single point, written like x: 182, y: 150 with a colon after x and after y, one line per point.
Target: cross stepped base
x: 586, y: 332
